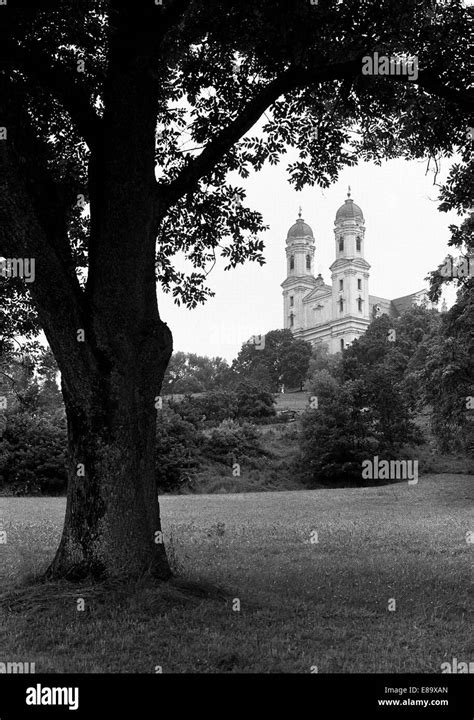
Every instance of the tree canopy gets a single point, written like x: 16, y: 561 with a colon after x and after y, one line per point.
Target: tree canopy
x: 215, y: 70
x: 272, y: 360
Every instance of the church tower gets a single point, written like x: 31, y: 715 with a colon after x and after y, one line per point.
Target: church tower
x: 350, y: 276
x: 300, y: 278
x: 337, y: 314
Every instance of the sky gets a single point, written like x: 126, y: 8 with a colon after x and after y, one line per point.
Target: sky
x: 406, y: 237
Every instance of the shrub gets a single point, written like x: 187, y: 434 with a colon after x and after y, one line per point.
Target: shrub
x: 33, y: 453
x: 247, y: 402
x: 254, y: 403
x: 207, y: 409
x: 231, y: 442
x: 177, y: 454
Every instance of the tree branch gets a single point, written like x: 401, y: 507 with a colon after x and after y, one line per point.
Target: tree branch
x: 292, y: 79
x: 67, y: 88
x: 224, y: 141
x: 432, y: 82
x: 60, y: 304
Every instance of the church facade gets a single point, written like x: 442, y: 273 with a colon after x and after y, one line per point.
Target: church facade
x: 339, y: 313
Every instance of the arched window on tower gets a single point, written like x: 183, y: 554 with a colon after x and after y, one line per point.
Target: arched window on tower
x: 292, y: 300
x: 292, y: 262
x: 342, y: 344
x: 359, y: 303
x: 341, y: 244
x: 308, y: 262
x: 358, y: 244
x: 341, y: 305
x: 292, y: 320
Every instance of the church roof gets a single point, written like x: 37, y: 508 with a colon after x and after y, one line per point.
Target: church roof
x: 405, y: 302
x: 320, y: 291
x: 300, y: 229
x: 349, y: 211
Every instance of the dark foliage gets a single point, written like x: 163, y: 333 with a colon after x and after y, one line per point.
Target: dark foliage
x: 33, y: 454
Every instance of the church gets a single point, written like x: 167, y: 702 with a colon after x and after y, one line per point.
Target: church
x: 339, y: 313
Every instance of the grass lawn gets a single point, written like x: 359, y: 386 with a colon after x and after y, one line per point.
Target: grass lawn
x: 302, y: 603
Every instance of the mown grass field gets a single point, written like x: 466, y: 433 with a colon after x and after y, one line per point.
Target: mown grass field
x: 302, y: 604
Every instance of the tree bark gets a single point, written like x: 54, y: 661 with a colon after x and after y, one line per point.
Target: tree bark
x: 112, y: 525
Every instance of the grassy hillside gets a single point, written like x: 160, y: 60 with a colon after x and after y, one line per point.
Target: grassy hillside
x: 302, y: 604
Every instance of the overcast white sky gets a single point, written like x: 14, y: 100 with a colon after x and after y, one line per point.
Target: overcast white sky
x: 406, y: 237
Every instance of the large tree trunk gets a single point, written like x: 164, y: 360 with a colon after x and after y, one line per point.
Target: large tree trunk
x: 112, y: 525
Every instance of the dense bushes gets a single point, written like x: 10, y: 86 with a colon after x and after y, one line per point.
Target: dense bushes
x: 33, y: 454
x: 246, y: 402
x: 183, y: 450
x: 253, y: 403
x: 231, y: 442
x: 207, y: 409
x: 177, y: 455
